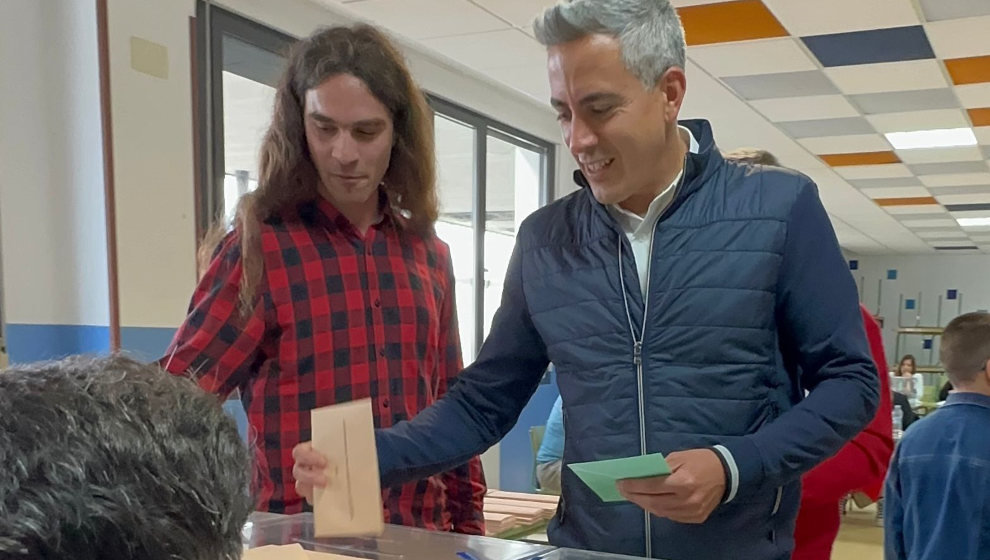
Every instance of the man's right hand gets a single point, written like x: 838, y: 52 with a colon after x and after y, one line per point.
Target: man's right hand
x: 309, y: 469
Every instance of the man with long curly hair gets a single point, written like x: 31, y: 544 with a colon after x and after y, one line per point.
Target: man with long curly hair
x: 333, y: 285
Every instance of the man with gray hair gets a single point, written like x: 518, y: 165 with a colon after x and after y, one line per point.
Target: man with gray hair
x: 687, y: 303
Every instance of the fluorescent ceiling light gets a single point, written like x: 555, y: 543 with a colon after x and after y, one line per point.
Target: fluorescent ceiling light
x: 974, y: 222
x: 940, y: 138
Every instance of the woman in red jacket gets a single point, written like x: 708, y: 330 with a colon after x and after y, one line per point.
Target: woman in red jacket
x: 860, y: 465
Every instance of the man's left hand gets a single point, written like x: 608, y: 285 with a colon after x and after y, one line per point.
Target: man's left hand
x: 689, y: 494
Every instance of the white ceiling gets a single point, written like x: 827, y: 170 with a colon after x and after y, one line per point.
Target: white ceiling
x: 492, y: 39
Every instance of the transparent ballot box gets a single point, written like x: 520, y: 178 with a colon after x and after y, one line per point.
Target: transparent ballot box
x: 395, y: 543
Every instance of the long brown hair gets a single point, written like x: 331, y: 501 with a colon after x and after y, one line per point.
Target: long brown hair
x: 907, y: 358
x: 287, y: 176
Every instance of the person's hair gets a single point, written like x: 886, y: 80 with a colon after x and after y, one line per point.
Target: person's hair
x: 965, y: 347
x: 111, y: 458
x: 907, y: 358
x: 752, y: 155
x: 649, y: 32
x: 287, y: 176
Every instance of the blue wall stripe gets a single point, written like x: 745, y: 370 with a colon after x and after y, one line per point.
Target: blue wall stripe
x: 145, y: 343
x: 32, y: 343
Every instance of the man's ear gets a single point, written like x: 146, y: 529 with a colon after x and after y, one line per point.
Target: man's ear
x: 673, y: 85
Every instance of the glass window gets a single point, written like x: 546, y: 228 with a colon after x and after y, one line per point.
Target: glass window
x: 513, y: 192
x: 491, y: 178
x: 455, y: 145
x: 238, y: 75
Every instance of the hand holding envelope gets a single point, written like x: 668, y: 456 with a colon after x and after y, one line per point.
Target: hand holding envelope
x: 686, y: 486
x: 338, y: 471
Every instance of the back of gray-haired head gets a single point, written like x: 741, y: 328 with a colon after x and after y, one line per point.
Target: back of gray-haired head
x: 649, y: 31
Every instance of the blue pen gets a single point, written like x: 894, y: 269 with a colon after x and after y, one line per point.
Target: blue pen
x: 466, y: 556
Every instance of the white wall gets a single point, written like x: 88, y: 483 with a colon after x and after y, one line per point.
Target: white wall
x: 51, y: 185
x: 932, y: 276
x: 153, y: 164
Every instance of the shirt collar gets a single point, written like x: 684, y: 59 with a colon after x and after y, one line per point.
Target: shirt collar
x: 632, y: 222
x: 327, y: 215
x: 964, y: 397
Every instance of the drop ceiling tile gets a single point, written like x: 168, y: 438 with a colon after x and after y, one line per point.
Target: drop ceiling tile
x: 956, y: 180
x: 919, y: 120
x: 942, y: 234
x: 976, y: 198
x: 936, y: 10
x: 872, y: 46
x: 520, y: 12
x: 805, y: 108
x: 813, y: 17
x: 495, y: 49
x: 903, y: 101
x: 979, y: 117
x: 911, y: 209
x: 910, y: 181
x: 720, y: 23
x: 986, y: 151
x: 844, y: 144
x: 891, y: 76
x: 770, y: 56
x: 954, y: 245
x: 896, y: 192
x: 944, y: 168
x: 983, y: 190
x: 874, y: 171
x: 937, y: 155
x: 785, y: 84
x: 974, y: 95
x: 970, y: 70
x: 849, y: 126
x: 982, y: 135
x: 423, y: 19
x: 939, y: 214
x: 972, y: 209
x: 930, y: 223
x: 859, y: 158
x: 960, y: 38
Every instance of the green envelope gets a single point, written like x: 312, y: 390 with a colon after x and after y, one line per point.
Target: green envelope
x: 601, y: 476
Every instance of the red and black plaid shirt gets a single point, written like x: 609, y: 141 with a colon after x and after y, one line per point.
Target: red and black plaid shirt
x: 338, y: 317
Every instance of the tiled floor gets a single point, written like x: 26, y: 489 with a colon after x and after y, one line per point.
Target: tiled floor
x: 859, y: 538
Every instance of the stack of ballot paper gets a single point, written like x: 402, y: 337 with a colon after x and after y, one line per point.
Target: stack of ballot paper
x: 601, y: 476
x: 508, y: 510
x: 496, y: 523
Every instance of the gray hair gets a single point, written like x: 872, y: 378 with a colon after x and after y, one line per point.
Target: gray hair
x: 112, y: 458
x: 650, y: 35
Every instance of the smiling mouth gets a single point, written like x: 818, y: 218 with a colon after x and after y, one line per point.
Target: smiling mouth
x: 596, y: 166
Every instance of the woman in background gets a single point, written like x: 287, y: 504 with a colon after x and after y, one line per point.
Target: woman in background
x: 906, y: 380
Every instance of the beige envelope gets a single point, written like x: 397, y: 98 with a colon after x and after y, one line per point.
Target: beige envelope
x: 289, y: 552
x: 351, y: 503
